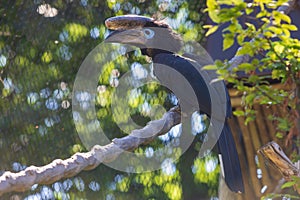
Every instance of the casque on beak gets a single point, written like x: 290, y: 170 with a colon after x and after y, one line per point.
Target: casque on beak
x: 130, y: 36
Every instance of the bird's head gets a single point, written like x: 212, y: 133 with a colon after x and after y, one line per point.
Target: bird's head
x: 150, y: 35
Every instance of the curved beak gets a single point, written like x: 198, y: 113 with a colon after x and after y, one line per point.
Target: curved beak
x: 130, y: 36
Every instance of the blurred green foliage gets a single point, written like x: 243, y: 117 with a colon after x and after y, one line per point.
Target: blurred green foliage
x: 42, y: 45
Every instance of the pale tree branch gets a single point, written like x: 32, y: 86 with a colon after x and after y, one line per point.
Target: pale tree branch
x: 58, y: 169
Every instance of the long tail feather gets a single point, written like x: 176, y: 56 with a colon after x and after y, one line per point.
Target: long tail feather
x: 230, y: 160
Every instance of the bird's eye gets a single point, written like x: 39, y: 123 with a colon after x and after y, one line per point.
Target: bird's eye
x: 148, y: 33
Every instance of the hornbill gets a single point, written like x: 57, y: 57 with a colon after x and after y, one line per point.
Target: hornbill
x: 141, y: 32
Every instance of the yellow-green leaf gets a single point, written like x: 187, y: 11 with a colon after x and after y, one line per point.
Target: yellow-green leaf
x: 239, y: 113
x: 288, y: 184
x: 279, y: 48
x: 251, y: 26
x: 210, y: 67
x: 211, y: 30
x: 211, y: 4
x: 282, y: 16
x: 248, y: 11
x: 275, y: 30
x: 246, y: 49
x: 291, y: 27
x: 207, y: 26
x: 246, y: 66
x: 47, y: 57
x: 214, y: 15
x: 240, y: 38
x: 279, y: 135
x: 228, y: 41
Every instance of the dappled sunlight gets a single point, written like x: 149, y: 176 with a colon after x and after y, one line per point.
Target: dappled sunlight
x: 169, y: 182
x: 168, y: 167
x: 3, y: 60
x: 79, y: 184
x: 198, y: 125
x: 206, y: 170
x: 64, y: 52
x: 18, y: 167
x: 47, y: 11
x: 95, y: 186
x: 40, y: 57
x: 95, y: 32
x: 175, y: 132
x: 75, y: 32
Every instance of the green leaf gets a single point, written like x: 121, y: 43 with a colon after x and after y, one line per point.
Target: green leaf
x: 282, y: 16
x: 240, y: 38
x: 219, y: 63
x: 245, y: 50
x: 210, y: 67
x: 207, y: 26
x: 279, y: 135
x: 262, y: 14
x: 246, y: 66
x: 288, y: 184
x: 249, y: 119
x: 279, y: 48
x: 213, y: 10
x: 276, y: 74
x: 239, y: 113
x: 291, y: 27
x: 211, y: 30
x: 283, y: 124
x: 228, y: 41
x: 248, y: 11
x: 211, y: 4
x: 214, y: 15
x: 286, y: 33
x: 253, y: 79
x: 255, y: 61
x: 251, y: 26
x: 250, y: 98
x: 275, y: 30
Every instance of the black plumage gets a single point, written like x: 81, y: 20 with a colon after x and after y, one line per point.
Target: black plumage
x: 136, y: 30
x: 226, y: 144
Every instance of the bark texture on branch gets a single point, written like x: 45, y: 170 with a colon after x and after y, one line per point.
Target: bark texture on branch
x: 58, y: 169
x: 274, y: 155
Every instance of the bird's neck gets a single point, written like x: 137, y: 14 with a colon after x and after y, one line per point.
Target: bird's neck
x: 153, y: 52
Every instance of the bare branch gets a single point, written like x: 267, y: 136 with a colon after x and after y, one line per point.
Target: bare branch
x: 273, y: 153
x: 59, y: 169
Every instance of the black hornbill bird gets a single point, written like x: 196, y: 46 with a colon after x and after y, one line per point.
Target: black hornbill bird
x: 140, y: 31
